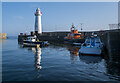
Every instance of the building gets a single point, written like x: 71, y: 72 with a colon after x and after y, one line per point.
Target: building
x: 38, y: 25
x: 3, y: 35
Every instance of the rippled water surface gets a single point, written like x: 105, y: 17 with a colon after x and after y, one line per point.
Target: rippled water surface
x: 53, y: 63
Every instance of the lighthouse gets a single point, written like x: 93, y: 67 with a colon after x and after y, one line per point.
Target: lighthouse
x: 38, y: 28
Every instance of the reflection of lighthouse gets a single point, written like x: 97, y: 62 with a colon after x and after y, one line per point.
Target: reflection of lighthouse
x: 37, y: 52
x: 38, y: 28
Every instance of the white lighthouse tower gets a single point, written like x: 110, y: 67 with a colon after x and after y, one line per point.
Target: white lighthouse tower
x: 38, y: 28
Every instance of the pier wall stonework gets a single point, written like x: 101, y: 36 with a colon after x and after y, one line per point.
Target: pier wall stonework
x: 51, y: 36
x: 47, y: 36
x: 112, y: 41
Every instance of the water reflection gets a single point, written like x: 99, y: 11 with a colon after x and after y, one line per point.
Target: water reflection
x: 37, y: 55
x: 109, y: 66
x: 90, y: 59
x: 113, y: 64
x: 37, y: 52
x: 113, y: 61
x: 3, y: 41
x: 73, y: 53
x: 20, y: 45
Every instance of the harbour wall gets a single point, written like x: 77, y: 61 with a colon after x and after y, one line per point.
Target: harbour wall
x: 54, y: 37
x: 46, y: 36
x: 111, y: 39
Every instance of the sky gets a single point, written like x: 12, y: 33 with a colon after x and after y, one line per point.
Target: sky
x: 18, y: 17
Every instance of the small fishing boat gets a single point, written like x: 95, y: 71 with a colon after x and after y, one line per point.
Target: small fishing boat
x: 74, y: 36
x: 91, y: 46
x: 34, y: 42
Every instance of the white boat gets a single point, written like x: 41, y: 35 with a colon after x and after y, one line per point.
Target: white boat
x: 91, y: 46
x: 33, y: 41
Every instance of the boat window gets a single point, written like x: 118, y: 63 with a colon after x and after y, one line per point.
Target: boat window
x: 92, y: 41
x: 87, y: 41
x: 97, y: 40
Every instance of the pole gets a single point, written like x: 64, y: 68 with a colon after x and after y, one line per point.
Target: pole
x: 81, y: 26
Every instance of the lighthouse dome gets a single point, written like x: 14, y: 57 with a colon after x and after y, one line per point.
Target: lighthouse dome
x: 38, y: 9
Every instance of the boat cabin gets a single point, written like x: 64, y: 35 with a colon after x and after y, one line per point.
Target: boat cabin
x: 73, y: 34
x: 32, y: 39
x: 93, y: 42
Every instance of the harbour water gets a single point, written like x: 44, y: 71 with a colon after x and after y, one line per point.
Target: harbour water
x: 54, y: 63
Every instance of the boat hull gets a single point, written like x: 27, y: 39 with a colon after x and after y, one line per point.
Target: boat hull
x: 74, y: 40
x: 90, y: 51
x: 31, y: 45
x: 35, y: 44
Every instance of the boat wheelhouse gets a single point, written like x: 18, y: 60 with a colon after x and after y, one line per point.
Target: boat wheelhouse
x: 74, y: 36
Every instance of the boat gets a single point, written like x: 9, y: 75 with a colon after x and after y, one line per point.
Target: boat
x: 74, y: 37
x: 33, y: 41
x: 91, y: 46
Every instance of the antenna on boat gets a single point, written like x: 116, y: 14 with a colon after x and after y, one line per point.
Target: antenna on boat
x: 73, y: 27
x: 81, y: 26
x: 77, y: 27
x: 72, y: 24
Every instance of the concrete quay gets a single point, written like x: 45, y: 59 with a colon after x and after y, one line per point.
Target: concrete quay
x: 111, y: 39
